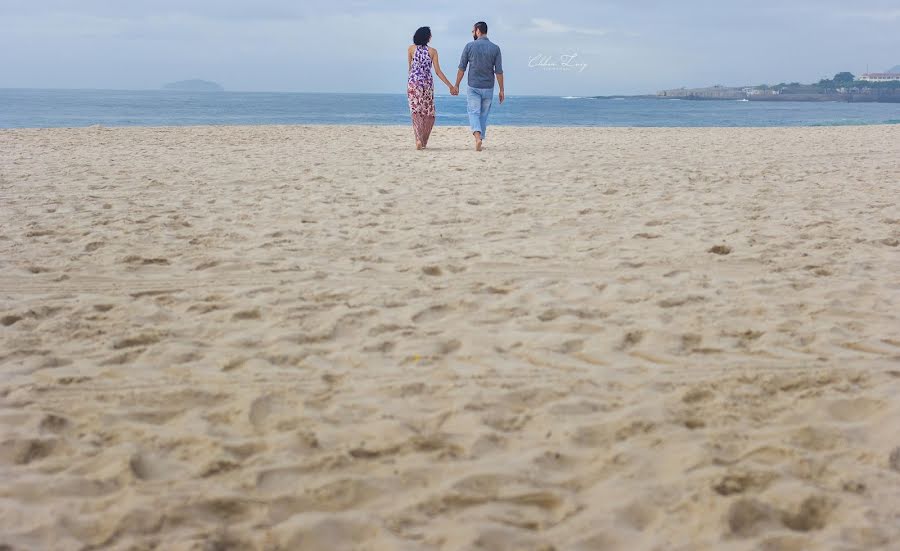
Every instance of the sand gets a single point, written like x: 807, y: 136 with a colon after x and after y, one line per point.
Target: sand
x: 319, y: 339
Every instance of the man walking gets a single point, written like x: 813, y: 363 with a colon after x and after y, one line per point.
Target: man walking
x: 483, y: 59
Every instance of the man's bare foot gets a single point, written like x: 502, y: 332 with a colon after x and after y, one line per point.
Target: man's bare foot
x: 419, y: 145
x: 477, y: 141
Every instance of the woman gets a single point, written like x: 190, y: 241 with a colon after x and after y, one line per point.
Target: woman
x: 420, y: 86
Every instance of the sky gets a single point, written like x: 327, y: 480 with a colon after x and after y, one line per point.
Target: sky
x: 558, y: 47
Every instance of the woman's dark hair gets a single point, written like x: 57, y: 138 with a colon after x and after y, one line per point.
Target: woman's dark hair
x: 422, y: 36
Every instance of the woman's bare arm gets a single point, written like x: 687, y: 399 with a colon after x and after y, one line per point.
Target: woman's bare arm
x: 409, y: 56
x: 437, y: 68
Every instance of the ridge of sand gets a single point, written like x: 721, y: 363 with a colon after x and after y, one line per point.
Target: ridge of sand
x: 310, y: 338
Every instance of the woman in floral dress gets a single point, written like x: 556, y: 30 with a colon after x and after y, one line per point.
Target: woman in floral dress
x: 420, y: 86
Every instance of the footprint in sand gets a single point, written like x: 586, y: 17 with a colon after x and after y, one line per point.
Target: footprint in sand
x: 431, y: 313
x: 123, y: 358
x: 53, y: 423
x: 279, y: 480
x: 138, y: 340
x: 206, y: 265
x: 146, y: 466
x: 894, y: 459
x: 253, y: 314
x: 632, y: 338
x: 22, y: 451
x: 274, y: 411
x: 432, y: 270
x: 383, y: 347
x: 10, y: 319
x: 854, y: 409
x: 571, y: 346
x: 749, y: 517
x: 449, y: 347
x: 817, y: 438
x: 680, y: 301
x: 139, y: 260
x: 639, y: 515
x: 739, y: 482
x: 695, y: 395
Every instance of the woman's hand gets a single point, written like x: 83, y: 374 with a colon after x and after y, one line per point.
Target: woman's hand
x: 454, y: 91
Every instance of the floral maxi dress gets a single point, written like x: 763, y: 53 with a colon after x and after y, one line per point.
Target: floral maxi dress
x: 420, y: 90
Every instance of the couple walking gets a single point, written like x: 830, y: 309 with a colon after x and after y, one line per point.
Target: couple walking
x: 481, y: 56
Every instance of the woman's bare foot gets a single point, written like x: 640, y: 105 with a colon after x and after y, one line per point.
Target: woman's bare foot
x: 477, y: 141
x: 419, y: 146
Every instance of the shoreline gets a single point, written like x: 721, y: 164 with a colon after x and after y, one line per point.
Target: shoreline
x: 450, y: 126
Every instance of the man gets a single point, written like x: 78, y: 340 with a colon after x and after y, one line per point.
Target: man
x: 484, y: 61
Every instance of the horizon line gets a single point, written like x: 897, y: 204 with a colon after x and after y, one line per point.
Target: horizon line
x: 287, y: 92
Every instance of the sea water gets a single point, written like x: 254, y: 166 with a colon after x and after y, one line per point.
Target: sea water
x: 32, y: 108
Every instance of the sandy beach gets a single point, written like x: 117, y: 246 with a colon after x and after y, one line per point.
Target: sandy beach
x: 318, y: 338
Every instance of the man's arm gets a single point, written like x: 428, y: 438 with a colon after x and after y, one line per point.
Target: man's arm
x: 498, y: 70
x: 463, y: 63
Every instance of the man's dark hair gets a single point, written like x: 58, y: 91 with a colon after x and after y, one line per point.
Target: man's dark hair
x: 482, y: 27
x: 422, y: 36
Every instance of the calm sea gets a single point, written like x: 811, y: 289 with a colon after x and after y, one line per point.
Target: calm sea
x: 25, y: 108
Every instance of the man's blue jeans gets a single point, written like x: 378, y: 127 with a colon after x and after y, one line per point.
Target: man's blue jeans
x: 478, y: 105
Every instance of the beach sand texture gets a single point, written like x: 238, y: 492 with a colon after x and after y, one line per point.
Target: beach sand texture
x: 318, y: 338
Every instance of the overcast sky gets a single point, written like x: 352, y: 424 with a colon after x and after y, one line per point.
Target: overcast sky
x: 619, y: 47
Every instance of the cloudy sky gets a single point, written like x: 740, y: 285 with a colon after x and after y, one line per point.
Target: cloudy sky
x: 611, y: 47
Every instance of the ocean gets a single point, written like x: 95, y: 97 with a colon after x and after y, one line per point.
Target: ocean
x: 31, y: 108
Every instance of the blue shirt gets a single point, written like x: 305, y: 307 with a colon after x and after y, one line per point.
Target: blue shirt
x: 484, y: 61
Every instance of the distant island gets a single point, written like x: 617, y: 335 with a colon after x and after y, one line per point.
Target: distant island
x: 845, y: 86
x: 195, y: 85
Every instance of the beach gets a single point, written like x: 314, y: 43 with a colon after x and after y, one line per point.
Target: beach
x: 310, y: 338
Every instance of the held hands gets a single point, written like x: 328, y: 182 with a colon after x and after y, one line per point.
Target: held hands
x: 454, y: 91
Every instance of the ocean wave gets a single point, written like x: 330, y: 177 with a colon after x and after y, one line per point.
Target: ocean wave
x: 854, y: 123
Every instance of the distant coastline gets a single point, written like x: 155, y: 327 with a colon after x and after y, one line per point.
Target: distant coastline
x: 844, y: 87
x: 194, y: 85
x: 806, y: 98
x: 736, y: 94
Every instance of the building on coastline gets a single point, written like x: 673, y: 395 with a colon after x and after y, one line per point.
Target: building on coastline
x: 880, y: 77
x: 751, y: 91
